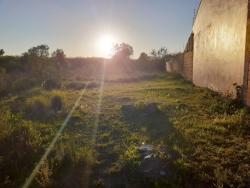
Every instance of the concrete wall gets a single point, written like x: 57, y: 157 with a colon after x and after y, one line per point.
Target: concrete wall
x: 173, y: 67
x: 219, y: 44
x: 187, y: 69
x: 247, y: 63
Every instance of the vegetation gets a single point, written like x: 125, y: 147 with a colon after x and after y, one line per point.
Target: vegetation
x: 161, y: 54
x: 123, y: 50
x: 1, y: 52
x: 198, y: 138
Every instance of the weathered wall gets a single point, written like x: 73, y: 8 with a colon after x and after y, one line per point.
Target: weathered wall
x: 173, y: 67
x: 187, y: 67
x: 219, y: 44
x: 187, y: 70
x: 247, y: 62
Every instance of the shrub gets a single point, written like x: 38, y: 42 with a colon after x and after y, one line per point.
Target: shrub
x: 99, y: 183
x: 3, y: 84
x: 131, y: 157
x: 36, y: 108
x: 43, y: 177
x: 22, y: 84
x: 50, y: 85
x: 239, y: 96
x: 218, y: 104
x: 43, y: 107
x: 56, y: 103
x: 75, y: 86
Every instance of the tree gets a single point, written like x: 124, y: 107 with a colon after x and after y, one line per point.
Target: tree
x: 1, y: 52
x: 161, y: 54
x: 123, y: 51
x: 143, y: 57
x: 36, y: 60
x: 59, y: 56
x: 153, y: 53
x: 39, y: 51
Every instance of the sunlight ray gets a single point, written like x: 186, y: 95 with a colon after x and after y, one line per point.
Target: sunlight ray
x: 99, y: 103
x: 52, y: 144
x: 96, y: 121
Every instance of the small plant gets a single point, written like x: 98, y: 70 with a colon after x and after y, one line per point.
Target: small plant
x: 44, y: 175
x: 132, y: 157
x: 224, y: 104
x: 99, y: 183
x: 239, y: 94
x: 36, y: 108
x: 56, y: 103
x: 220, y: 176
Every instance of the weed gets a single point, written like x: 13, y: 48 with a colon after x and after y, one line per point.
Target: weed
x: 56, y: 103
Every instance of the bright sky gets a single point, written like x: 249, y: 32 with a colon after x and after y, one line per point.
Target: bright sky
x: 87, y: 27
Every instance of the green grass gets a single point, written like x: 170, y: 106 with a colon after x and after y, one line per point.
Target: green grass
x: 205, y: 136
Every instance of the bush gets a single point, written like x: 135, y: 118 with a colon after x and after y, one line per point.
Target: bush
x: 36, y: 111
x: 75, y: 86
x: 4, y: 84
x: 37, y: 108
x: 43, y: 177
x: 50, y: 85
x: 131, y: 157
x: 43, y: 107
x: 22, y: 85
x: 56, y: 103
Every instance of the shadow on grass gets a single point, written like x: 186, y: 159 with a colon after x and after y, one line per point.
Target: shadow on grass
x: 149, y: 118
x: 136, y: 78
x: 173, y: 170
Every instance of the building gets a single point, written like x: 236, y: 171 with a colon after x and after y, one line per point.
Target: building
x: 217, y: 54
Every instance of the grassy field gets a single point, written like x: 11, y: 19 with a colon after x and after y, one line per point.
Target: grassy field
x: 199, y: 138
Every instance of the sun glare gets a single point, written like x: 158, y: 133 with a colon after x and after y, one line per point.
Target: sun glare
x: 105, y: 44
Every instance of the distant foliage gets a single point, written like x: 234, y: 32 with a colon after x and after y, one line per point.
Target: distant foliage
x: 161, y: 54
x: 143, y: 57
x: 39, y: 51
x: 11, y: 64
x: 59, y: 57
x: 122, y: 51
x: 1, y: 52
x: 4, y: 79
x: 36, y: 68
x: 22, y: 84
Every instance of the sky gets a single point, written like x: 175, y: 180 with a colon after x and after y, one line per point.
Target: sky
x: 79, y: 26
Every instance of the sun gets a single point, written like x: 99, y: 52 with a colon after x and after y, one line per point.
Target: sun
x: 105, y: 44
